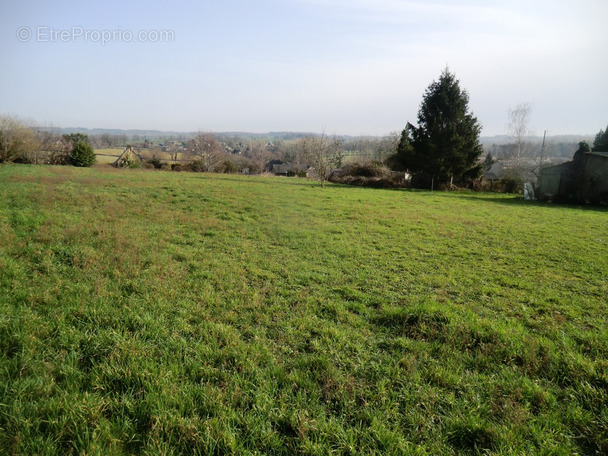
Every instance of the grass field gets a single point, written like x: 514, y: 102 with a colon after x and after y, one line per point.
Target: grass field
x: 108, y: 156
x: 151, y: 313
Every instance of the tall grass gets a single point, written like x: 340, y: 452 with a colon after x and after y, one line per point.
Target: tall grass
x: 169, y: 313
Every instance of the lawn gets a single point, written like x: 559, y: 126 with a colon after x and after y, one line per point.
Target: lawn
x: 146, y: 312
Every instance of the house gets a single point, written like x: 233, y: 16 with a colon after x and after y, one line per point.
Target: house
x: 290, y: 170
x: 281, y: 168
x: 270, y: 165
x: 582, y: 180
x: 494, y: 173
x: 523, y: 168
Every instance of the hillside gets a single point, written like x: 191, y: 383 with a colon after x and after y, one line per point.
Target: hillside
x: 147, y: 312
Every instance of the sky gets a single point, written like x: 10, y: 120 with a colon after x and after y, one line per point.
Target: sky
x: 348, y: 67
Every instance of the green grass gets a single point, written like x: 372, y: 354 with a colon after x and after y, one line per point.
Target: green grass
x: 154, y: 313
x: 108, y: 156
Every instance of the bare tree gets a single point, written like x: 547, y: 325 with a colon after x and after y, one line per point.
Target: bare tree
x: 374, y: 148
x: 105, y: 140
x: 54, y: 148
x: 17, y: 141
x: 173, y: 150
x: 387, y: 146
x: 322, y: 153
x: 361, y: 148
x: 292, y: 153
x: 259, y: 154
x: 519, y: 130
x: 206, y: 148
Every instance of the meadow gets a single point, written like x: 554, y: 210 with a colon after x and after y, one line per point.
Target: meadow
x: 146, y: 312
x: 108, y: 156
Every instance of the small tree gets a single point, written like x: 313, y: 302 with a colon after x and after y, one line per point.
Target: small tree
x: 520, y: 131
x: 488, y: 162
x: 405, y: 158
x: 207, y: 151
x: 54, y: 149
x: 259, y: 153
x: 82, y: 155
x: 18, y: 142
x: 445, y: 144
x: 173, y: 150
x: 322, y: 153
x: 385, y: 147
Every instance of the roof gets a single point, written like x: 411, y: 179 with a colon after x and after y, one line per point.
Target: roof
x: 494, y: 172
x: 281, y: 168
x: 598, y: 154
x: 572, y: 165
x: 553, y: 168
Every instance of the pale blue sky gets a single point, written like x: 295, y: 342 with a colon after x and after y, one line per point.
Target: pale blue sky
x: 349, y: 67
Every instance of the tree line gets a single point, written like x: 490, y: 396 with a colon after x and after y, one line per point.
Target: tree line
x: 441, y: 150
x: 20, y: 143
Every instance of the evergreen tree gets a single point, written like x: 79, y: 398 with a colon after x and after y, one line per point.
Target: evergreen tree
x: 445, y: 145
x: 82, y: 155
x: 583, y: 147
x: 488, y: 162
x: 601, y: 141
x: 405, y: 158
x: 75, y: 138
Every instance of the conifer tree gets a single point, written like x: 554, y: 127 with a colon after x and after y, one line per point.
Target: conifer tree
x: 445, y: 145
x: 82, y: 155
x: 600, y: 144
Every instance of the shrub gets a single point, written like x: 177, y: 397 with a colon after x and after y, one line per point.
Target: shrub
x: 155, y: 161
x: 364, y: 169
x: 82, y: 155
x: 196, y: 166
x: 133, y: 163
x: 512, y: 184
x: 18, y: 142
x: 228, y: 166
x: 184, y: 167
x: 367, y: 174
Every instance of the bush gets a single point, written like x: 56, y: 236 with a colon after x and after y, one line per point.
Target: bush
x: 133, y: 163
x: 82, y: 155
x: 228, y: 167
x: 367, y: 174
x: 512, y: 184
x: 197, y: 166
x: 18, y: 142
x: 364, y: 169
x: 182, y: 167
x: 155, y: 161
